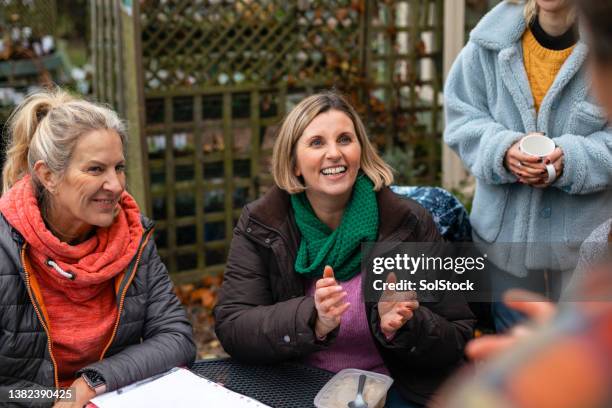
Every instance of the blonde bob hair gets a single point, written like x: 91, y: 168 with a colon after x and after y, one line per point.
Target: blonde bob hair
x: 46, y: 126
x: 531, y: 10
x: 283, y: 155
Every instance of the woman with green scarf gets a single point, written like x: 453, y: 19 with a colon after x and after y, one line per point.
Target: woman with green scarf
x: 293, y: 282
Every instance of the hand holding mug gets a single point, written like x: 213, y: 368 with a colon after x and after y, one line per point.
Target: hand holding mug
x: 528, y: 169
x: 556, y: 160
x: 542, y: 147
x: 329, y: 302
x: 541, y: 161
x: 395, y: 308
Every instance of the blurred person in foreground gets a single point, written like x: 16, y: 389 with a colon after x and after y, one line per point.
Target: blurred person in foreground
x: 563, y: 358
x: 292, y: 287
x: 85, y: 300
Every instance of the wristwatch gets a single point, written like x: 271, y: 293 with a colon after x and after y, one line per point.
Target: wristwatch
x: 95, y: 381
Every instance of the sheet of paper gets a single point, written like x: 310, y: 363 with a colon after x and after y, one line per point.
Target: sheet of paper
x: 179, y: 388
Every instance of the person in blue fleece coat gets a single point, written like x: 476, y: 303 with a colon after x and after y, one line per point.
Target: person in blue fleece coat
x: 490, y: 107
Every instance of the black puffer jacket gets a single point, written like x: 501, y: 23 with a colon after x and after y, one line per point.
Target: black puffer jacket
x: 263, y: 315
x: 153, y: 333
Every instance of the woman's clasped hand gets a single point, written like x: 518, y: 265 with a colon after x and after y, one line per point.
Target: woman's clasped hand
x: 531, y: 170
x: 330, y: 303
x: 394, y: 308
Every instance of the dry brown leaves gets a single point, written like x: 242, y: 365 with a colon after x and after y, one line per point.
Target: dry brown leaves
x: 199, y: 300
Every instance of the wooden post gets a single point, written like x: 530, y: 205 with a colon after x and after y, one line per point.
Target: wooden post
x: 134, y: 102
x: 453, y: 171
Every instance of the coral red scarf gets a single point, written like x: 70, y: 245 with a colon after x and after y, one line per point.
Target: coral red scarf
x: 81, y: 311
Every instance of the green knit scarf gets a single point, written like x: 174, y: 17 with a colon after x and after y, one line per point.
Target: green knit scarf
x: 340, y: 248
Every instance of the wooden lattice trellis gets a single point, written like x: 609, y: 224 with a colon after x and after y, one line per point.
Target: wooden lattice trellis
x: 107, y: 57
x: 23, y: 62
x: 38, y: 15
x: 217, y: 76
x: 202, y: 44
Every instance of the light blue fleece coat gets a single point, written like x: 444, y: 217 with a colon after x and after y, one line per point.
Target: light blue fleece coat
x: 489, y: 106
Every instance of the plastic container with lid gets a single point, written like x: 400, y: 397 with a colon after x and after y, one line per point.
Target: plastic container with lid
x: 342, y: 388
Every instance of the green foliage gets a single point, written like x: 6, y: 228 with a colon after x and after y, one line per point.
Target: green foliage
x: 402, y: 161
x: 73, y: 19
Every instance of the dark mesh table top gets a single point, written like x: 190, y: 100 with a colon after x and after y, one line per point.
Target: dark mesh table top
x: 290, y: 385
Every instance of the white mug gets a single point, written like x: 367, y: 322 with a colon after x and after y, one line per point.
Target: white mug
x: 538, y: 145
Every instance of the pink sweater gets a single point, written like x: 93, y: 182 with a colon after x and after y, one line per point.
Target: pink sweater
x: 354, y: 347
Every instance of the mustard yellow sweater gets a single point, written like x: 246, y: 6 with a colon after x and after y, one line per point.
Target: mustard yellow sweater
x: 542, y: 65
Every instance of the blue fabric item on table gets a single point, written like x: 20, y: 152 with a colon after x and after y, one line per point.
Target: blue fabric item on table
x: 448, y: 213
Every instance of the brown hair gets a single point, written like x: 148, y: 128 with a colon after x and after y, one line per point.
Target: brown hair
x: 46, y: 126
x: 283, y: 155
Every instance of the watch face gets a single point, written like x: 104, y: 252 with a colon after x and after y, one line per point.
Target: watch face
x: 94, y: 378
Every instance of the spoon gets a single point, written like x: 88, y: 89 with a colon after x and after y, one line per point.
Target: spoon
x: 359, y: 402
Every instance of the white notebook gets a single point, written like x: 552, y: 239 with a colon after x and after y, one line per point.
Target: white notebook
x: 177, y: 388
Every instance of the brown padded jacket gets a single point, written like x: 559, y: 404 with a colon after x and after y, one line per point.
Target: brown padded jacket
x: 263, y: 315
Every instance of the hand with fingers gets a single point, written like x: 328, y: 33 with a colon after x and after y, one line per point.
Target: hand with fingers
x: 330, y: 303
x: 531, y: 170
x: 528, y: 169
x: 556, y: 160
x: 536, y: 307
x: 395, y: 308
x: 82, y: 395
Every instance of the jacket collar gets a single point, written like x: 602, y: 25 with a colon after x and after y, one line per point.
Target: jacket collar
x: 10, y: 240
x: 394, y: 212
x: 501, y: 30
x: 503, y: 26
x: 514, y: 77
x: 273, y: 211
x: 568, y: 71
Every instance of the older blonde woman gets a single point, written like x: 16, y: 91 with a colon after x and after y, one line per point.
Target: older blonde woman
x: 521, y: 72
x: 292, y: 285
x: 85, y: 301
